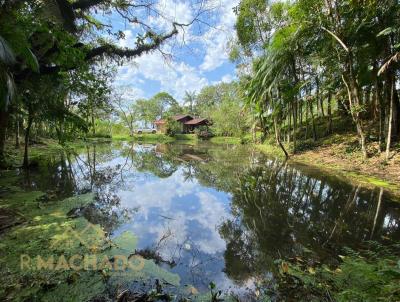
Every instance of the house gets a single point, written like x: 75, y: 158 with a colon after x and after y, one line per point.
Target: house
x: 188, y: 123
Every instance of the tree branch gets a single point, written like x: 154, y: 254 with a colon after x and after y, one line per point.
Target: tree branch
x: 111, y: 50
x: 86, y: 4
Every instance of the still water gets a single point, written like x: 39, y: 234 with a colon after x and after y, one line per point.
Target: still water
x: 219, y: 213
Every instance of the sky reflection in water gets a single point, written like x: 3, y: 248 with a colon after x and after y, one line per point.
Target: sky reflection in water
x: 225, y: 213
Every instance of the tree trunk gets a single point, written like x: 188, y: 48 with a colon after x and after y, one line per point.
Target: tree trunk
x: 294, y: 127
x: 306, y: 134
x: 3, y: 126
x: 396, y: 115
x: 289, y: 128
x: 379, y: 112
x: 278, y: 141
x: 93, y: 125
x: 17, y: 132
x: 320, y: 102
x: 329, y: 128
x: 390, y: 122
x: 26, y: 151
x: 313, y: 122
x: 301, y: 113
x: 355, y: 104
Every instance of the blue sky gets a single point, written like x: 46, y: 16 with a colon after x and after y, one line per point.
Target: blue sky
x: 193, y: 59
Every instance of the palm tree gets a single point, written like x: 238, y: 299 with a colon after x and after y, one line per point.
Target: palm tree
x: 190, y: 100
x: 7, y: 90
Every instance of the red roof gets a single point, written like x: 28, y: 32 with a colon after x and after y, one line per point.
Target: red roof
x: 175, y: 117
x: 180, y: 116
x: 196, y: 121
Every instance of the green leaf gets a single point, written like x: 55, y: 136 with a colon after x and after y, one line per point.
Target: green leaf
x: 6, y: 54
x: 31, y: 60
x: 386, y: 31
x: 212, y: 285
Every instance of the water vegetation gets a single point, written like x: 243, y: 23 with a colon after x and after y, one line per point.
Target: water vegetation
x: 45, y: 235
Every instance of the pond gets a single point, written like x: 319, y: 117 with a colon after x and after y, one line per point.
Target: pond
x: 211, y: 213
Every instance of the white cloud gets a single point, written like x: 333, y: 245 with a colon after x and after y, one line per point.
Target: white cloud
x: 171, y: 11
x: 173, y: 77
x: 207, y: 50
x: 209, y: 212
x: 128, y: 40
x: 216, y: 39
x: 227, y: 78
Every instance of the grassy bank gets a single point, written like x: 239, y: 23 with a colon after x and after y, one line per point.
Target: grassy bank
x: 340, y: 154
x: 155, y: 138
x: 336, y: 154
x: 225, y: 140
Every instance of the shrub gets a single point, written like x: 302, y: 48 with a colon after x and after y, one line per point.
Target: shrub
x: 172, y: 127
x: 203, y: 132
x: 369, y: 275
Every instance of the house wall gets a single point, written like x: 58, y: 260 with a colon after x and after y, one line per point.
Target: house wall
x: 161, y: 128
x: 182, y: 122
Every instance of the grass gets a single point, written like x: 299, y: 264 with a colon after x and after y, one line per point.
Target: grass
x: 270, y: 149
x: 150, y: 137
x: 225, y: 140
x: 186, y: 137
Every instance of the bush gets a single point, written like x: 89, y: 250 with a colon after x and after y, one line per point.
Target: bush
x: 99, y: 135
x: 172, y: 127
x: 203, y: 132
x: 369, y: 275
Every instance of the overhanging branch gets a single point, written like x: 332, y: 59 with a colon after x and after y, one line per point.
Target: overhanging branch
x: 112, y: 51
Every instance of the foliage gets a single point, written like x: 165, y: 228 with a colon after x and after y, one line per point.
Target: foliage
x: 172, y: 126
x: 229, y: 119
x: 368, y: 275
x: 223, y: 105
x: 157, y: 107
x: 57, y: 62
x: 203, y: 132
x: 306, y: 53
x: 189, y: 102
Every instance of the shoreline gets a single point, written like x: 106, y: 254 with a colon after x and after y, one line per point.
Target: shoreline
x: 369, y: 173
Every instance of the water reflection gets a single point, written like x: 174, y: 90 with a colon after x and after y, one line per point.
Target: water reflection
x: 220, y: 213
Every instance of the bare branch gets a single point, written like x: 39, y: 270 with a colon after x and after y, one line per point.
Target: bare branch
x: 392, y: 59
x: 337, y: 39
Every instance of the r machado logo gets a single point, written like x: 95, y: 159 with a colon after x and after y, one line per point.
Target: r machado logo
x: 94, y: 260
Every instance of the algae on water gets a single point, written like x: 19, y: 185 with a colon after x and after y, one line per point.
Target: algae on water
x: 48, y: 237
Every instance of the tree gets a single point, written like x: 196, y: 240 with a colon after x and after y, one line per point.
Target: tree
x: 310, y: 45
x: 38, y: 39
x: 172, y: 126
x: 189, y: 101
x: 213, y: 95
x: 229, y: 119
x: 157, y: 107
x: 126, y: 112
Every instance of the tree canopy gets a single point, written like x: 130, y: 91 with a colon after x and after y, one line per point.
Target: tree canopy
x: 58, y: 57
x: 308, y: 52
